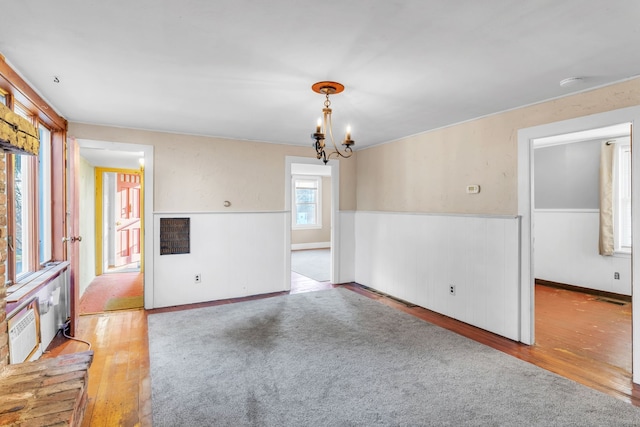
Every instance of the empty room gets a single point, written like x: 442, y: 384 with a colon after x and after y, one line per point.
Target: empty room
x: 309, y: 214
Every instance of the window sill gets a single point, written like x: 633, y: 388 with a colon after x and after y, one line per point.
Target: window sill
x: 30, y: 285
x: 306, y: 227
x: 622, y: 254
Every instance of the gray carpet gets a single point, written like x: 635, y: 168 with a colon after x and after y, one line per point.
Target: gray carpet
x: 335, y: 358
x: 312, y: 263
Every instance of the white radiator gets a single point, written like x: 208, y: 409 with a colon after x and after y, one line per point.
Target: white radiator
x: 23, y: 335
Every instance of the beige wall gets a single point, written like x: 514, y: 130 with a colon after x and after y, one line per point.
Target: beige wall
x: 318, y: 235
x: 430, y: 171
x: 197, y: 174
x: 422, y: 173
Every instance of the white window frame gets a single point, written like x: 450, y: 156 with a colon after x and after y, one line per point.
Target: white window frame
x: 622, y: 196
x: 294, y: 212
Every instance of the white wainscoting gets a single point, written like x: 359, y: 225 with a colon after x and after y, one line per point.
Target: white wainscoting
x: 236, y: 254
x: 566, y: 251
x: 347, y: 253
x: 416, y: 257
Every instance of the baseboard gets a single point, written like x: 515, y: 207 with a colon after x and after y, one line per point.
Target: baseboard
x: 315, y: 245
x: 611, y: 295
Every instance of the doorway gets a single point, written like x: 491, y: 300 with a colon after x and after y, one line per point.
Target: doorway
x: 325, y: 241
x: 119, y: 224
x: 119, y: 227
x: 116, y: 184
x: 310, y: 227
x: 570, y: 271
x: 525, y: 211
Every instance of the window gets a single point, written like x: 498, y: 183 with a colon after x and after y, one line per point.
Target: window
x: 307, y: 202
x: 23, y: 203
x: 30, y: 205
x: 22, y: 112
x: 622, y: 195
x: 44, y: 195
x: 35, y: 185
x: 19, y: 240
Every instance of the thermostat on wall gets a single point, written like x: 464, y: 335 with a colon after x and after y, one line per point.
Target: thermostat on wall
x: 473, y: 189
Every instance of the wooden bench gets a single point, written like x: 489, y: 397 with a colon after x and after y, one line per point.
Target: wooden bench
x: 47, y: 392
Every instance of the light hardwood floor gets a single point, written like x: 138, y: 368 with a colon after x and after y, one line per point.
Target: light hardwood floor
x: 579, y: 336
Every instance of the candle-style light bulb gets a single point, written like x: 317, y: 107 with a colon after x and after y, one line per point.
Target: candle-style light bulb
x: 348, y: 136
x: 318, y: 125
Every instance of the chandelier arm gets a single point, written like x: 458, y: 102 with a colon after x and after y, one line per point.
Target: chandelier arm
x: 336, y: 153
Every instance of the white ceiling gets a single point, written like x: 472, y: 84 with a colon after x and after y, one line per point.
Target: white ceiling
x: 109, y: 158
x: 243, y: 69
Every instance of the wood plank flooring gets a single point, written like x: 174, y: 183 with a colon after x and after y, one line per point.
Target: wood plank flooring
x: 579, y: 337
x: 119, y: 385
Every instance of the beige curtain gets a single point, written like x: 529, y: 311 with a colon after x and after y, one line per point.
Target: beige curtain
x: 17, y: 134
x: 606, y: 198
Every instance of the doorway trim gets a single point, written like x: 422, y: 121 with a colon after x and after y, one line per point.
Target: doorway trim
x: 525, y: 206
x: 335, y: 218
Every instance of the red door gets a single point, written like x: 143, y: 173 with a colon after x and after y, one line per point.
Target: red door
x: 127, y: 219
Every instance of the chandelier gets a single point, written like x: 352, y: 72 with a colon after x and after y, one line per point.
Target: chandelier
x: 324, y: 125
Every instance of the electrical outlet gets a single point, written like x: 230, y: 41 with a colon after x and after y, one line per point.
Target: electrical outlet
x: 452, y: 289
x: 616, y: 275
x: 198, y: 278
